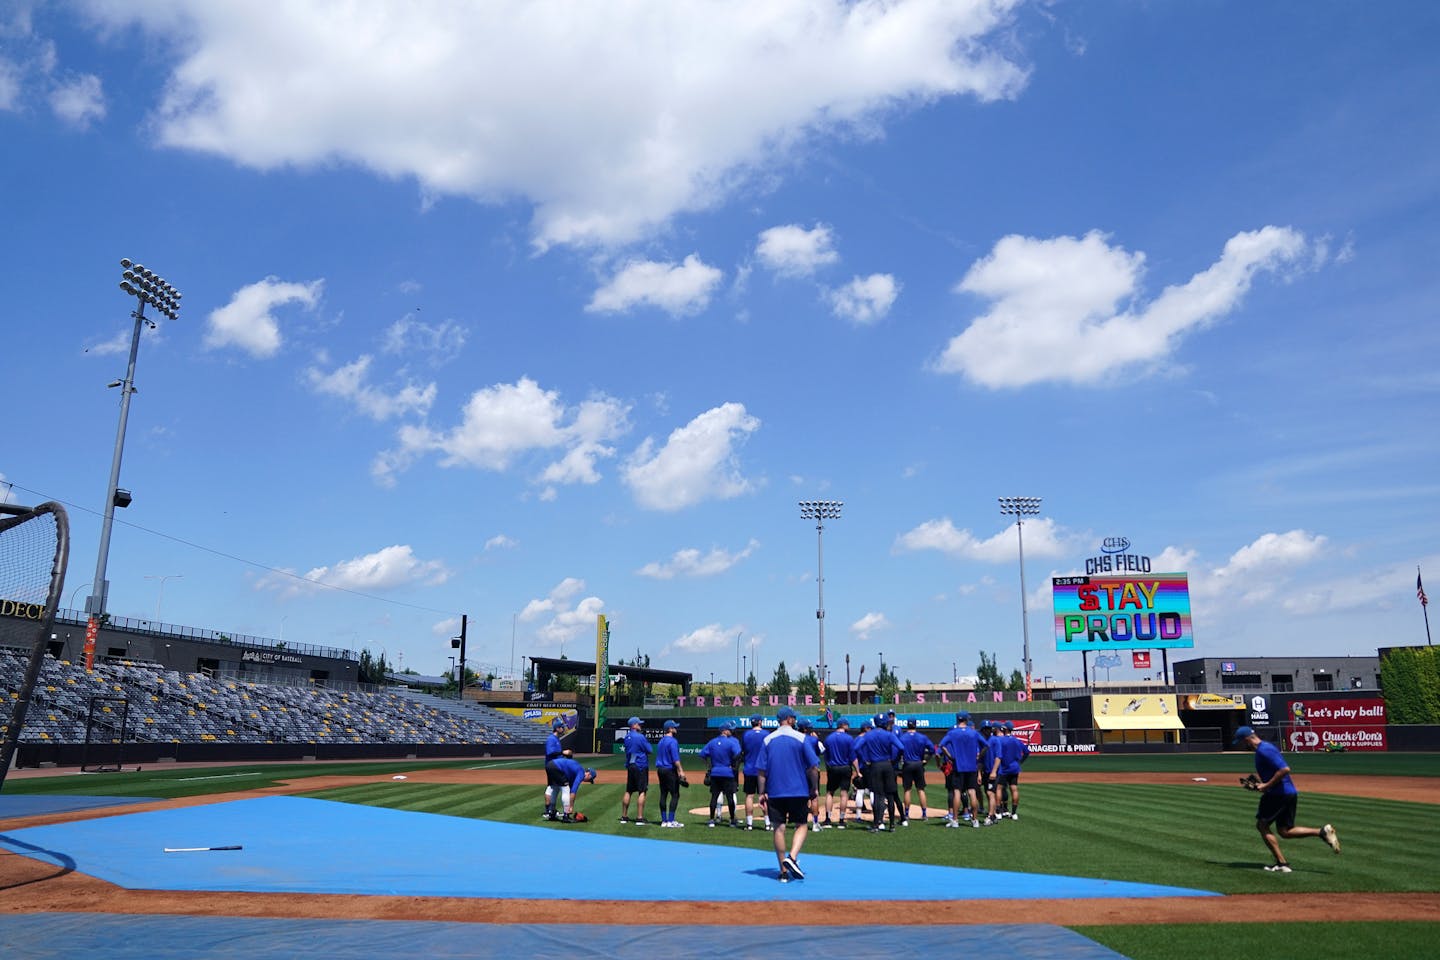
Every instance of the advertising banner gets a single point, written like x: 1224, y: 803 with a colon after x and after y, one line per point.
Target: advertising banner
x: 1140, y: 659
x: 1333, y: 723
x: 1155, y: 711
x: 545, y: 715
x: 1211, y: 701
x: 1122, y: 612
x: 602, y: 674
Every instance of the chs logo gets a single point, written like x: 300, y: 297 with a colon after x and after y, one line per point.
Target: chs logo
x: 1115, y: 545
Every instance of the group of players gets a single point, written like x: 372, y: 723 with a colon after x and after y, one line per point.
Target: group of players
x: 981, y: 767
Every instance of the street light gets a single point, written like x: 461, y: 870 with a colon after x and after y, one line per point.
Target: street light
x: 820, y: 511
x: 161, y: 597
x: 1020, y: 508
x: 146, y: 287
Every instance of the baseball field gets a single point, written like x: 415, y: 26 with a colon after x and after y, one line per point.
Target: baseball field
x: 1143, y: 856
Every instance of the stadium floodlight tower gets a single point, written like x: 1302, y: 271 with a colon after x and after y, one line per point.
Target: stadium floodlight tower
x: 820, y: 511
x: 1020, y: 508
x: 146, y: 287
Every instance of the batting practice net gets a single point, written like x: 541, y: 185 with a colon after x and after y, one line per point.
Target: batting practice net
x: 34, y: 548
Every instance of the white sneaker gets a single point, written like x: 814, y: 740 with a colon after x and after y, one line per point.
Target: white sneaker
x: 1279, y: 868
x: 1014, y: 816
x: 1332, y: 840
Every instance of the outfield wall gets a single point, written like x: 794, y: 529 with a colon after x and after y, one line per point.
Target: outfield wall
x: 134, y: 754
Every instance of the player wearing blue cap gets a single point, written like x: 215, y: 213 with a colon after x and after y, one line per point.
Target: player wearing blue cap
x: 750, y: 745
x: 915, y: 750
x: 722, y: 752
x: 961, y: 746
x: 574, y: 775
x: 990, y: 733
x: 877, y: 752
x: 554, y: 780
x: 1010, y: 753
x: 1278, y: 799
x: 670, y: 774
x: 789, y: 780
x: 812, y: 739
x: 839, y: 769
x: 637, y: 771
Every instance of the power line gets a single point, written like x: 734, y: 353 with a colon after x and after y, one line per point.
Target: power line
x: 231, y: 556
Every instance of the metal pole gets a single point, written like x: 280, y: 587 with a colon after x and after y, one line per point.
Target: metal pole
x: 1024, y: 611
x: 820, y: 588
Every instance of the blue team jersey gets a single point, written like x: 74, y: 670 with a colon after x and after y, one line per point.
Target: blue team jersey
x: 667, y: 754
x: 877, y: 746
x: 751, y: 743
x: 1269, y: 761
x: 637, y: 751
x: 721, y: 752
x: 839, y: 749
x: 964, y: 745
x: 915, y: 746
x: 574, y: 773
x: 785, y: 760
x: 1012, y: 751
x: 553, y: 747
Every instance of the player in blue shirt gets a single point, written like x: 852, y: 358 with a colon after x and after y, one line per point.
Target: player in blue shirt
x: 961, y: 747
x: 670, y: 774
x: 574, y: 775
x: 807, y: 727
x: 1012, y: 753
x: 915, y: 750
x: 1278, y: 800
x: 554, y: 780
x: 722, y: 752
x: 637, y: 771
x: 750, y: 745
x: 789, y: 780
x: 839, y: 769
x: 877, y: 752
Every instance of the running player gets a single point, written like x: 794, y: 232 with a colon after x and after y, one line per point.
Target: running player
x: 1278, y: 800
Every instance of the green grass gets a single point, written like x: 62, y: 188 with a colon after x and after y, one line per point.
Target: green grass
x: 1312, y: 941
x: 1199, y: 837
x: 1358, y: 763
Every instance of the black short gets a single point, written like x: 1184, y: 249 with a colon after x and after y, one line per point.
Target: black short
x: 963, y: 780
x: 553, y: 776
x: 721, y: 785
x: 913, y: 774
x: 752, y: 784
x: 787, y: 810
x: 637, y: 779
x: 1278, y: 808
x: 880, y: 777
x: 1007, y: 779
x: 669, y: 780
x: 837, y: 779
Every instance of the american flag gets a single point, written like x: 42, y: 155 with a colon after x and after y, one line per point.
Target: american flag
x: 1420, y: 590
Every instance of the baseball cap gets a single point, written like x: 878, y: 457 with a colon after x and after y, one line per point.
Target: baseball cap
x: 728, y: 725
x: 590, y: 774
x: 1243, y: 732
x: 785, y: 713
x: 878, y: 719
x: 633, y: 721
x: 868, y: 724
x: 557, y: 723
x: 962, y: 714
x: 1009, y: 726
x: 910, y: 724
x: 805, y: 724
x: 841, y: 722
x: 756, y: 719
x: 671, y: 725
x: 984, y: 724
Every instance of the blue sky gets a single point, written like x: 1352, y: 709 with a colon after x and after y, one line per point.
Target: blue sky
x: 538, y: 311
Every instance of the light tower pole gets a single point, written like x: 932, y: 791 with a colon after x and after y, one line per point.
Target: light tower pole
x: 145, y: 287
x: 1020, y: 508
x: 820, y: 511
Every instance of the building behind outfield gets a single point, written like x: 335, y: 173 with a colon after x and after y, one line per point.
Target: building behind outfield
x: 1276, y: 675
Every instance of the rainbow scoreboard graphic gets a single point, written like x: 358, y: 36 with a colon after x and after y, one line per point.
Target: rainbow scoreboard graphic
x: 1133, y: 612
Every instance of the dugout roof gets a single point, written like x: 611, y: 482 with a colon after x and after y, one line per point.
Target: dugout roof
x: 579, y: 668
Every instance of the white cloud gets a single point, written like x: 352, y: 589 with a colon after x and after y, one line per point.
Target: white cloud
x: 690, y: 562
x: 120, y: 343
x: 793, y: 251
x: 556, y: 598
x: 608, y: 118
x: 385, y: 569
x: 506, y: 421
x: 566, y: 622
x: 869, y: 624
x: 449, y: 627
x: 1259, y: 569
x: 677, y: 289
x: 9, y: 85
x: 439, y: 343
x: 79, y: 101
x: 1069, y: 310
x: 247, y: 323
x: 706, y: 639
x: 501, y: 542
x: 697, y: 463
x: 865, y: 300
x: 1042, y: 539
x: 349, y: 383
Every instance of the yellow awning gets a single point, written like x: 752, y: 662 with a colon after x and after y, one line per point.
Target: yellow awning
x: 1132, y: 722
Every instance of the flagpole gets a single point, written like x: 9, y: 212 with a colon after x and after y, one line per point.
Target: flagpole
x: 1424, y: 604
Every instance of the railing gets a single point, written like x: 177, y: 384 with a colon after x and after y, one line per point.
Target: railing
x: 155, y: 629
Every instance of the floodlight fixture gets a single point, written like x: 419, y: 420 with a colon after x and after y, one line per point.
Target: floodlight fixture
x: 1020, y: 508
x: 820, y: 511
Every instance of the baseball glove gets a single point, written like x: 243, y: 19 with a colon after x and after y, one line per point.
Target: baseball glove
x: 858, y: 782
x: 947, y: 768
x: 707, y: 779
x: 581, y: 818
x: 1250, y: 782
x: 685, y: 782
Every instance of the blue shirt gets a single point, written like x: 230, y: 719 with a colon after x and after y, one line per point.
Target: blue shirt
x: 839, y: 749
x: 963, y: 744
x: 786, y: 761
x: 1268, y: 762
x: 812, y: 739
x: 877, y: 746
x: 721, y: 752
x: 915, y: 746
x: 751, y: 743
x: 637, y: 751
x: 667, y: 754
x: 553, y: 746
x: 572, y: 771
x: 1010, y: 750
